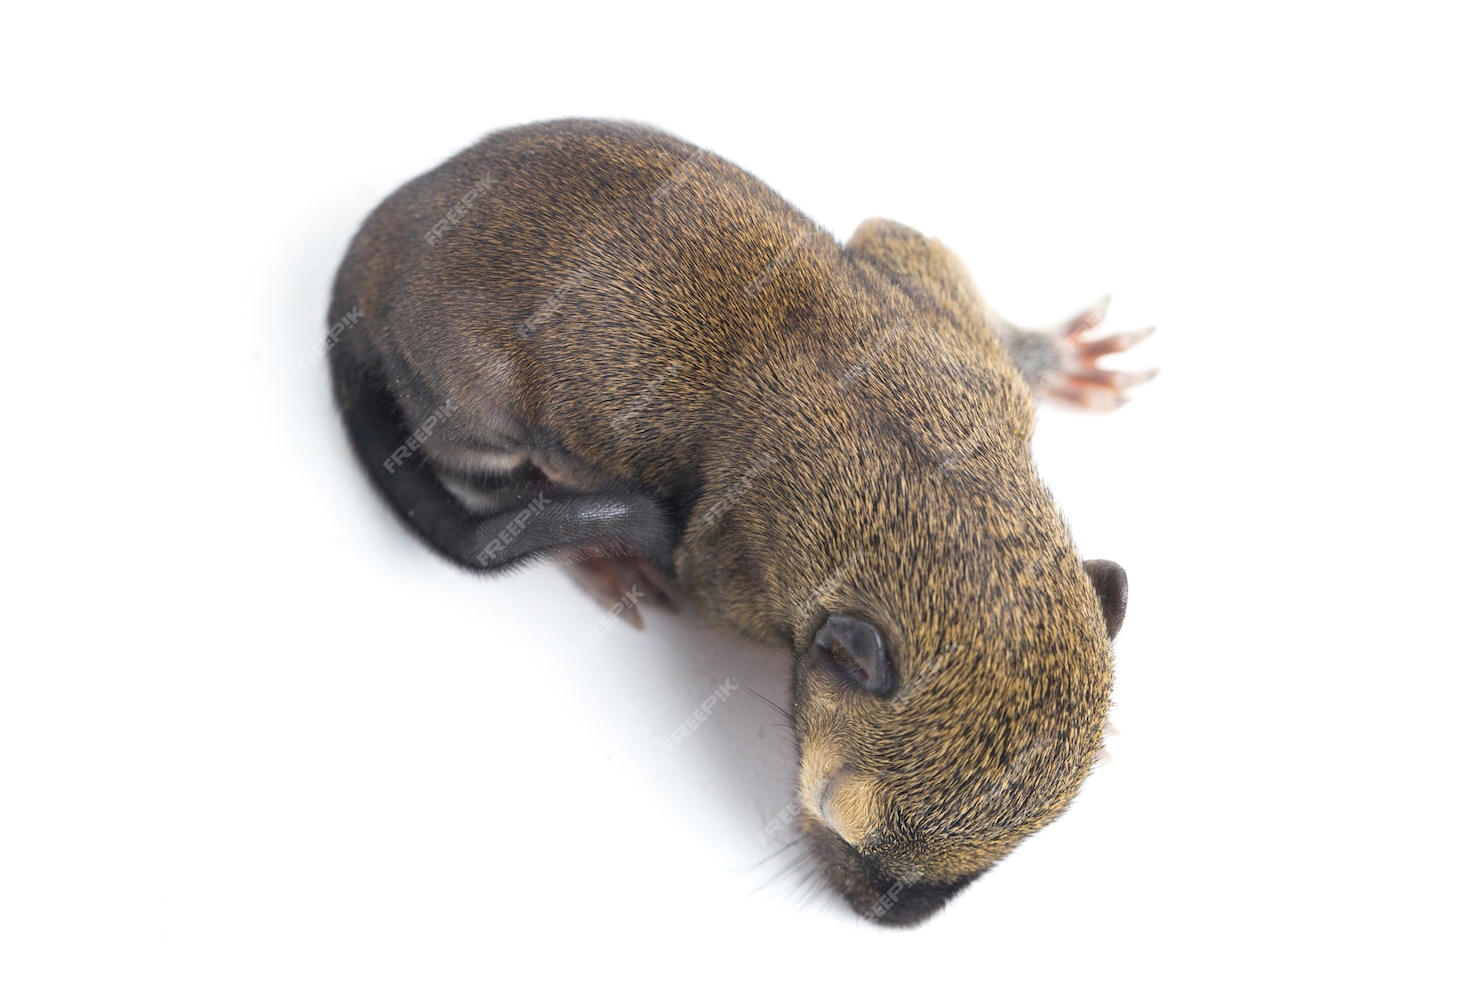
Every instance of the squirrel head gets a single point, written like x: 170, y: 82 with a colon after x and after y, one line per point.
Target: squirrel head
x: 951, y: 685
x: 935, y: 737
x: 952, y: 654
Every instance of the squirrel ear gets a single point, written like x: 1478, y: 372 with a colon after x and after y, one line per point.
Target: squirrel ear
x: 1108, y: 579
x: 856, y: 649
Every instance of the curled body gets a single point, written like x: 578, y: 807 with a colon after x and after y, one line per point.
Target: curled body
x: 613, y: 348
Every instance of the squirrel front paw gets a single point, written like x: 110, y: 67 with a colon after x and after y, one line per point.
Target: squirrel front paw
x: 1074, y: 377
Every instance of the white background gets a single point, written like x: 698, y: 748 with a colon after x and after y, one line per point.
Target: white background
x: 251, y: 731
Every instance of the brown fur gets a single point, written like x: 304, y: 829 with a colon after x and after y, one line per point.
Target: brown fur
x: 836, y: 429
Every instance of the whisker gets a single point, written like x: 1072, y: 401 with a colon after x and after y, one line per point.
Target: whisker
x: 790, y: 719
x: 770, y: 856
x: 809, y: 886
x: 781, y: 872
x: 818, y: 891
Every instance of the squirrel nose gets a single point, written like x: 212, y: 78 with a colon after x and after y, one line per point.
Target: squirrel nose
x: 824, y: 797
x: 836, y: 805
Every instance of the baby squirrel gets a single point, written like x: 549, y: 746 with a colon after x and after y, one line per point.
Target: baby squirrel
x: 594, y: 342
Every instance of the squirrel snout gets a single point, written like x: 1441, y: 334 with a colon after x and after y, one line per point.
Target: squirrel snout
x: 842, y: 801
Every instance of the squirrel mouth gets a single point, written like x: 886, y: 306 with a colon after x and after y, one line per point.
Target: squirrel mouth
x: 877, y: 892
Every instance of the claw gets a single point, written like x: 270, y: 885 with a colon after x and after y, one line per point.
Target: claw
x: 1087, y: 319
x: 616, y: 583
x: 1114, y: 344
x: 1114, y: 379
x: 1087, y: 397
